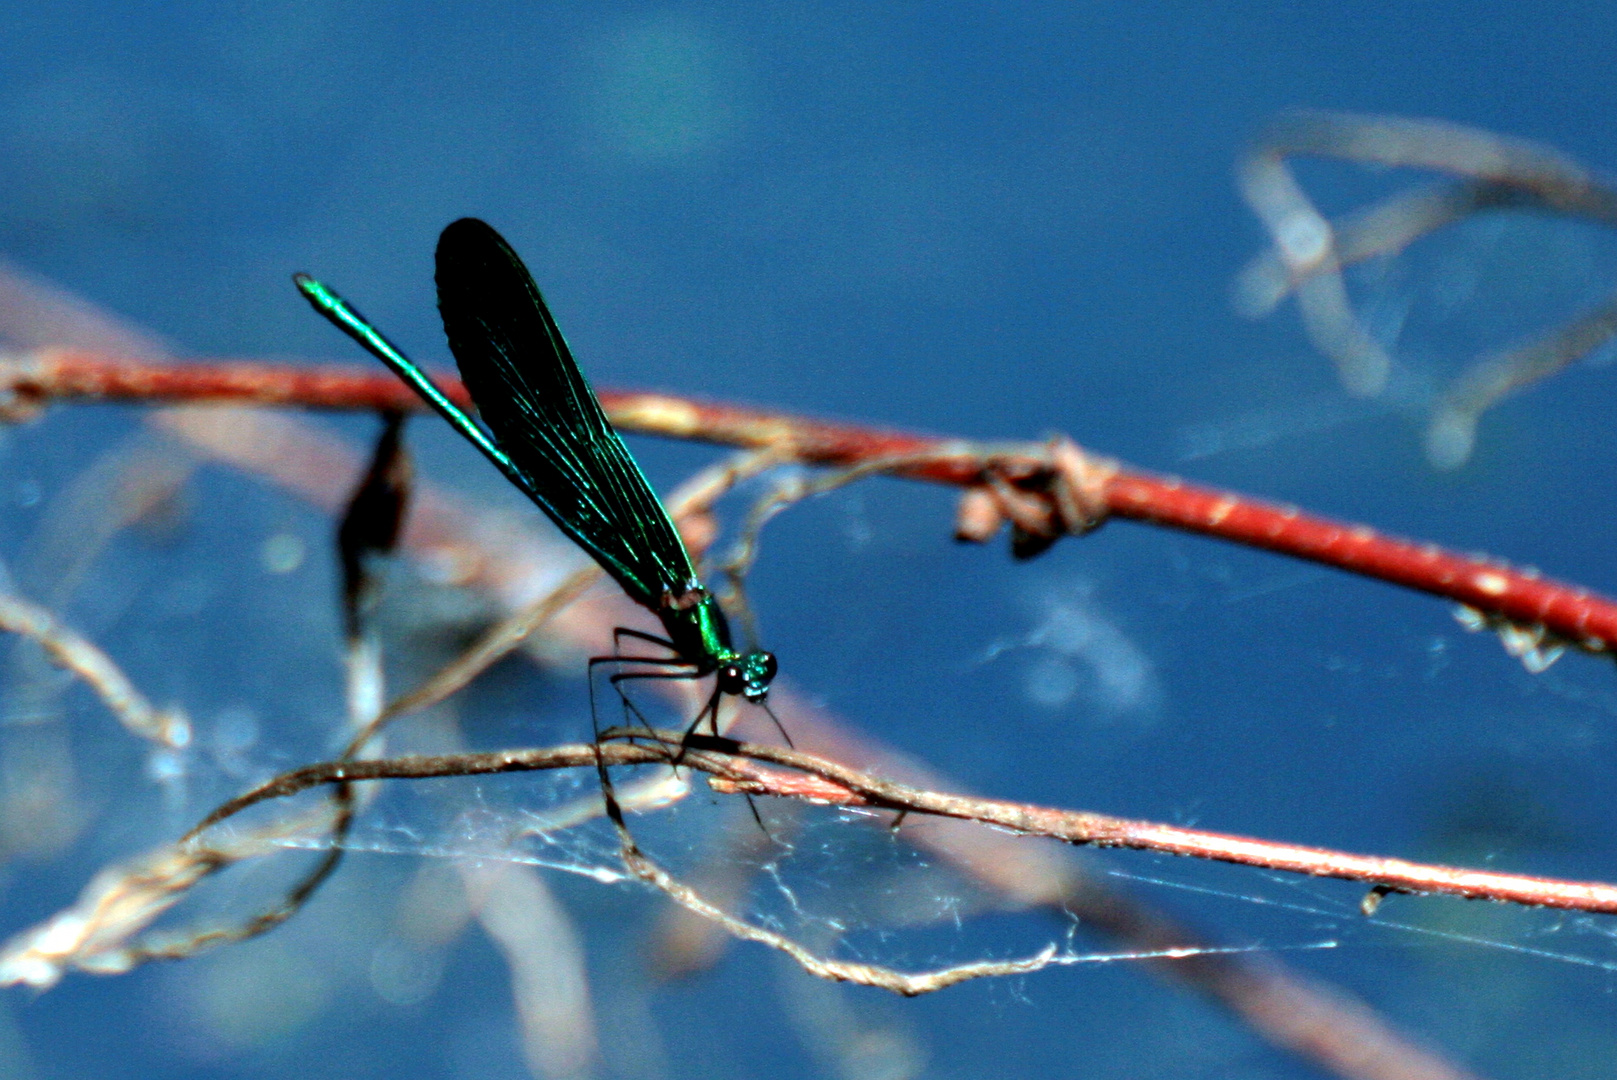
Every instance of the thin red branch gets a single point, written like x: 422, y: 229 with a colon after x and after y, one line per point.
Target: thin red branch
x: 821, y: 780
x: 58, y: 375
x: 1521, y: 596
x: 823, y: 785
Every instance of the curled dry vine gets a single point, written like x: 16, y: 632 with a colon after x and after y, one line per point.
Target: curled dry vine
x: 1492, y: 174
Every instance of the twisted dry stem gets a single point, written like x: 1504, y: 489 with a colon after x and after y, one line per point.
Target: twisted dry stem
x: 135, y: 896
x: 1309, y: 253
x: 126, y: 897
x: 66, y: 647
x: 98, y: 932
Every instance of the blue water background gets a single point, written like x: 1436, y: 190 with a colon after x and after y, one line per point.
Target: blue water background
x: 992, y: 221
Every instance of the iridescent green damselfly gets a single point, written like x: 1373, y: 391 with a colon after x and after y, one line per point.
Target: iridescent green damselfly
x: 547, y: 433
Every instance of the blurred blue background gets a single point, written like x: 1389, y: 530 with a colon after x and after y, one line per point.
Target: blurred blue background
x: 992, y: 221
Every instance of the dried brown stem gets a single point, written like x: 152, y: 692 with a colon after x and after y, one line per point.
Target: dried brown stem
x: 1404, y: 142
x: 99, y: 933
x: 1452, y: 432
x: 861, y: 974
x: 1309, y: 253
x: 495, y: 643
x: 165, y: 727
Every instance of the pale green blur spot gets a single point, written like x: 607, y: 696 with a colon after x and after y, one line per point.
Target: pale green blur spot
x: 663, y: 89
x: 253, y: 996
x: 282, y: 553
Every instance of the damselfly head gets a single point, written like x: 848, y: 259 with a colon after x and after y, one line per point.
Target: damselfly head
x: 748, y: 675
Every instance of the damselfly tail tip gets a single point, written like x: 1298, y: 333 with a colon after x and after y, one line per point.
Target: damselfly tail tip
x: 313, y: 291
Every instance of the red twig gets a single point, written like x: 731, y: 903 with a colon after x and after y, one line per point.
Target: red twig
x: 817, y: 779
x: 1563, y: 611
x: 835, y: 785
x: 54, y: 375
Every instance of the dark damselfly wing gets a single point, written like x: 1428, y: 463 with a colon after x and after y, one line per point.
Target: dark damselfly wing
x: 546, y: 419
